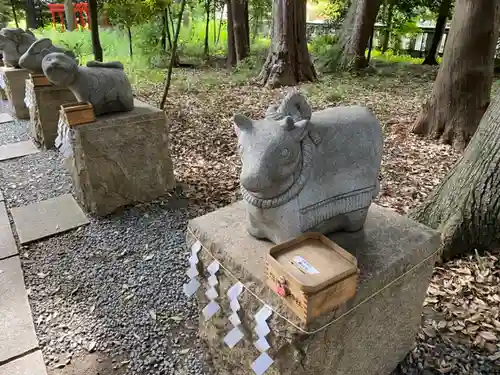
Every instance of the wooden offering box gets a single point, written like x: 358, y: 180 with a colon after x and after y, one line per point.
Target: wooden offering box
x: 39, y: 80
x: 312, y: 274
x: 77, y: 113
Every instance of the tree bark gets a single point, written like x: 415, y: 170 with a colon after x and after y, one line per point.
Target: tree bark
x: 70, y: 17
x: 288, y: 60
x: 388, y: 26
x: 465, y: 207
x: 96, y: 43
x: 461, y: 92
x: 355, y: 33
x: 207, y: 26
x: 14, y: 15
x: 231, y: 48
x: 444, y: 9
x: 240, y: 31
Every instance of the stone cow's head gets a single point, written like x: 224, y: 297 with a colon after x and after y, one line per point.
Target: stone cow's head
x: 32, y: 58
x: 271, y: 154
x: 59, y: 68
x: 14, y: 42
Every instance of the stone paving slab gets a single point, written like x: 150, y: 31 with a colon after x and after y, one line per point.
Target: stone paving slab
x: 46, y: 218
x: 5, y: 117
x: 31, y: 364
x: 16, y: 150
x: 8, y: 245
x: 17, y: 332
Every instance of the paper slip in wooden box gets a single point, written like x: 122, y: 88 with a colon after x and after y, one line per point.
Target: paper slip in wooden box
x: 312, y: 274
x: 77, y: 113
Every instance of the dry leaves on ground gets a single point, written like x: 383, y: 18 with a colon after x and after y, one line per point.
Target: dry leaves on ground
x: 466, y: 294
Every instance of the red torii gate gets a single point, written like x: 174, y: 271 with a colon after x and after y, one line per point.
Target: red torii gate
x: 81, y: 8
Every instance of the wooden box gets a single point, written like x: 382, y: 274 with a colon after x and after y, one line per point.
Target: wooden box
x: 77, y: 113
x: 312, y: 274
x: 39, y: 80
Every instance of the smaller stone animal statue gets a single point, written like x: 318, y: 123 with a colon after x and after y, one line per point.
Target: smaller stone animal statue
x: 304, y: 171
x: 14, y: 42
x: 31, y: 60
x: 104, y: 85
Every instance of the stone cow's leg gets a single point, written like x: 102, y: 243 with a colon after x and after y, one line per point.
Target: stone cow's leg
x: 355, y: 220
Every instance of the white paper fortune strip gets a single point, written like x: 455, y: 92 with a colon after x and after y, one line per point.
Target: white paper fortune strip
x: 192, y: 286
x: 235, y: 335
x: 27, y: 97
x: 58, y: 141
x: 2, y: 80
x: 211, y: 292
x: 263, y: 362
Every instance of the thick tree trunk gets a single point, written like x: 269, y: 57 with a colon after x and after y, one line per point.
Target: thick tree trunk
x: 288, y: 61
x: 461, y: 92
x: 70, y: 17
x: 444, y: 9
x: 355, y: 33
x: 388, y: 27
x: 465, y: 207
x: 96, y: 43
x: 241, y: 35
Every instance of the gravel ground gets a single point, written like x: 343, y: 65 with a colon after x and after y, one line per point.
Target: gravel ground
x: 114, y: 287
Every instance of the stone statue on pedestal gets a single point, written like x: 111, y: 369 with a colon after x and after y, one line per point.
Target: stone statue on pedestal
x: 14, y: 42
x: 304, y: 171
x: 104, y: 85
x: 32, y: 59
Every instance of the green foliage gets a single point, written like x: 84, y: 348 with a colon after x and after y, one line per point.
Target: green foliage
x: 326, y: 52
x: 333, y: 10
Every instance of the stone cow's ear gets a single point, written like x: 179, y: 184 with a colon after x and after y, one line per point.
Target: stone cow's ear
x: 242, y: 123
x: 41, y: 45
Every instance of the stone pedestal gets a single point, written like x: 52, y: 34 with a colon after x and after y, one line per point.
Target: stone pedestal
x: 121, y: 159
x: 12, y: 80
x: 372, y: 339
x: 45, y: 102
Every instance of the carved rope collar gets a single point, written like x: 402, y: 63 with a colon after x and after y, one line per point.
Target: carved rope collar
x: 294, y: 190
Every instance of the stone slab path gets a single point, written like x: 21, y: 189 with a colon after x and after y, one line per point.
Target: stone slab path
x: 17, y: 335
x: 46, y: 218
x: 16, y: 150
x: 30, y: 364
x: 8, y: 245
x: 5, y: 117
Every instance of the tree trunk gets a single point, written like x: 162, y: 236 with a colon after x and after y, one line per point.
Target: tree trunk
x: 388, y: 27
x: 465, y: 207
x: 355, y: 33
x: 231, y: 48
x: 240, y: 31
x: 167, y: 28
x: 247, y: 24
x: 207, y: 26
x: 30, y: 14
x: 129, y: 31
x: 288, y: 61
x: 14, y: 15
x: 96, y: 43
x: 461, y: 92
x: 444, y: 9
x: 173, y: 56
x: 70, y: 16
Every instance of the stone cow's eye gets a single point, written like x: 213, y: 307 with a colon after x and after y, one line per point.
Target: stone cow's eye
x: 240, y: 148
x: 285, y: 153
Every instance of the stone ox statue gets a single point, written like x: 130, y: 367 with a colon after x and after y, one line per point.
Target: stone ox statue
x: 31, y: 60
x: 104, y: 85
x: 14, y: 42
x: 308, y: 172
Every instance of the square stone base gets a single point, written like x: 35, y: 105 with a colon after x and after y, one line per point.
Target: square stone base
x: 44, y: 112
x: 121, y: 159
x: 15, y: 79
x: 396, y: 257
